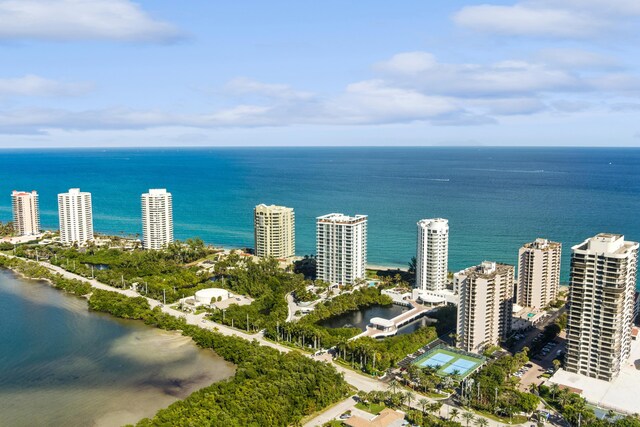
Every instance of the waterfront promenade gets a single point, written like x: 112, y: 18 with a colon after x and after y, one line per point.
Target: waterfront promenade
x: 355, y: 379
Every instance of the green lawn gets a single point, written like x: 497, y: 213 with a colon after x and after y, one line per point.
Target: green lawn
x: 372, y: 408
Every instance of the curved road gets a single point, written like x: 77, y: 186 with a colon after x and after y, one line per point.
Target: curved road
x: 355, y: 379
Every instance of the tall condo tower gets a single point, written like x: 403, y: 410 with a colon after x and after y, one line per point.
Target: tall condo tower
x: 486, y: 302
x: 26, y: 213
x: 76, y: 218
x: 274, y: 231
x: 157, y: 219
x: 341, y: 248
x: 601, y: 305
x: 538, y: 273
x: 432, y: 254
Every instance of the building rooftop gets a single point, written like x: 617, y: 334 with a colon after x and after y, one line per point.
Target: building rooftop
x: 434, y: 223
x: 386, y: 418
x: 262, y: 206
x: 157, y: 192
x: 339, y: 218
x: 606, y: 243
x: 541, y: 243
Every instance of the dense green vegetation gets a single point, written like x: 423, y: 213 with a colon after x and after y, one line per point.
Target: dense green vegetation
x: 306, y: 266
x: 156, y: 272
x: 376, y: 356
x: 495, y: 389
x: 269, y: 388
x: 6, y: 228
x: 35, y: 271
x: 263, y: 280
x: 573, y: 407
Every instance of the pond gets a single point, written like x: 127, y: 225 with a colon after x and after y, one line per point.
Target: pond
x: 359, y: 319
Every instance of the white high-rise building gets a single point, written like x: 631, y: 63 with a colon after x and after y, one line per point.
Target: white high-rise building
x: 538, y: 273
x: 274, y: 231
x: 486, y: 305
x: 26, y: 213
x: 341, y: 248
x: 432, y: 254
x: 157, y: 219
x: 76, y: 218
x: 601, y: 305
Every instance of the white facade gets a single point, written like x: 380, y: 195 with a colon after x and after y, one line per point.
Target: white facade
x: 210, y: 295
x: 601, y: 305
x: 432, y: 255
x: 341, y: 248
x: 274, y: 231
x: 26, y: 213
x: 538, y: 273
x: 157, y: 219
x: 486, y: 305
x: 76, y: 217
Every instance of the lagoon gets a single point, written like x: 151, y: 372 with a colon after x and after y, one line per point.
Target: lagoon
x: 61, y: 364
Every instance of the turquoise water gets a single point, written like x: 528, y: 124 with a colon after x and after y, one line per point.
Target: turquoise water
x: 61, y: 365
x: 495, y: 198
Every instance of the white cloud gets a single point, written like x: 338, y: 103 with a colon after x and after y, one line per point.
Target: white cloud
x: 579, y: 19
x: 246, y: 86
x: 523, y: 19
x: 408, y: 63
x: 32, y: 85
x: 506, y: 78
x: 576, y: 59
x: 119, y: 20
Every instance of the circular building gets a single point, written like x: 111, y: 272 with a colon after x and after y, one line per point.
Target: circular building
x: 210, y: 295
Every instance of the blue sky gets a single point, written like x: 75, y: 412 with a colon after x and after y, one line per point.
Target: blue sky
x: 96, y: 73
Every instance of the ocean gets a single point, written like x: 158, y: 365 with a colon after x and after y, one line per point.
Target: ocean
x: 495, y: 199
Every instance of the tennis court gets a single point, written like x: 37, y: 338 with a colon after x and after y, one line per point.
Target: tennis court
x: 447, y: 361
x: 438, y: 359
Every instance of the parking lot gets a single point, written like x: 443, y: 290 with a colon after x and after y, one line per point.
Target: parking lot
x: 542, y: 363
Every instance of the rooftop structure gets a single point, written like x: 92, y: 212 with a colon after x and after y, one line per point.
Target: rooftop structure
x: 432, y: 254
x: 157, y: 219
x: 341, y: 248
x: 538, y: 273
x: 485, y: 307
x: 26, y: 213
x: 76, y: 217
x: 601, y: 305
x: 274, y: 231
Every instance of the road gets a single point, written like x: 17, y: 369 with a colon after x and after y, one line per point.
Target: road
x: 355, y: 379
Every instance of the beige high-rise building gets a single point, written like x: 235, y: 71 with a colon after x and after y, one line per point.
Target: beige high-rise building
x: 341, y: 248
x: 538, y: 273
x: 157, y: 219
x: 432, y: 254
x: 274, y: 231
x: 601, y: 305
x: 26, y: 213
x: 76, y: 217
x: 485, y: 307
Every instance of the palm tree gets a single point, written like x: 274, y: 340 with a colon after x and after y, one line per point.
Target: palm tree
x: 393, y: 385
x: 409, y: 396
x: 482, y: 422
x: 468, y: 417
x: 554, y: 390
x: 454, y: 414
x: 423, y: 403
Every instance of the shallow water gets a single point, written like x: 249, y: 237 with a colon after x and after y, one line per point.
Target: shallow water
x: 61, y: 365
